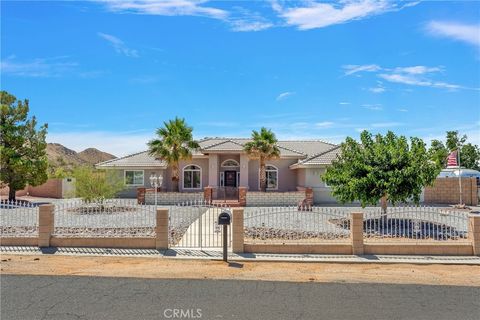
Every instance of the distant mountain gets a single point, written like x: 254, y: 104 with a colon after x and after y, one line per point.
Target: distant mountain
x: 60, y: 156
x: 94, y: 156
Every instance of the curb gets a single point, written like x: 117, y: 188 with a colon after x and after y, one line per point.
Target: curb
x: 215, y: 255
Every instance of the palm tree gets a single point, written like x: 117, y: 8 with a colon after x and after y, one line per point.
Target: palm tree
x: 175, y: 142
x: 262, y: 147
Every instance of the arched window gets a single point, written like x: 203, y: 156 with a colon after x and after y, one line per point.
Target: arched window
x: 272, y: 177
x: 230, y: 163
x: 192, y: 177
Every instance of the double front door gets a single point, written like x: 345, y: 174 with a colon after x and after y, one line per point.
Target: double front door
x: 230, y: 178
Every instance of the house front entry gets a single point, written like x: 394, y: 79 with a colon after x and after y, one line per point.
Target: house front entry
x: 230, y: 179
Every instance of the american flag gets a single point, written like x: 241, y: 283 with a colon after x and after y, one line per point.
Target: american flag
x: 452, y: 159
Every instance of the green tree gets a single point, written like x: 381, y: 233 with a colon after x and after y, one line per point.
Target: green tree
x: 469, y: 153
x: 380, y: 168
x: 438, y: 153
x: 23, y: 157
x: 262, y: 147
x: 470, y: 156
x: 453, y: 141
x: 175, y: 142
x: 96, y: 185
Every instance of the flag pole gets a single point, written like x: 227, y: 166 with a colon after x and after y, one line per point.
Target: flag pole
x: 459, y: 176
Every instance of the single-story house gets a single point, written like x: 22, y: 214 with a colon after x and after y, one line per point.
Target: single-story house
x: 222, y: 162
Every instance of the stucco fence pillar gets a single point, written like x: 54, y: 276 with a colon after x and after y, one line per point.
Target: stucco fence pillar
x: 237, y: 230
x: 356, y: 232
x: 45, y: 224
x: 474, y: 232
x: 161, y: 230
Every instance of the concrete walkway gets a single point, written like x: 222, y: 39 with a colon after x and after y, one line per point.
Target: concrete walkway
x: 216, y: 254
x: 203, y: 232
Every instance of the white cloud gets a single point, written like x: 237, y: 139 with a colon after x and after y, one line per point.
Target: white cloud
x: 377, y: 89
x: 284, y: 95
x: 418, y: 69
x: 118, y: 45
x: 248, y: 25
x: 352, y: 68
x: 373, y: 107
x: 412, y: 75
x: 468, y: 33
x: 344, y: 103
x: 319, y: 15
x: 402, y: 110
x: 324, y: 124
x: 116, y: 143
x: 166, y: 8
x: 41, y: 67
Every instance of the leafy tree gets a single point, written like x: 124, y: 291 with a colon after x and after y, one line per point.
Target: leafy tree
x: 262, y: 147
x: 96, y: 185
x: 23, y: 157
x: 438, y: 153
x: 175, y: 142
x: 469, y: 153
x: 453, y: 141
x: 470, y: 156
x: 380, y: 168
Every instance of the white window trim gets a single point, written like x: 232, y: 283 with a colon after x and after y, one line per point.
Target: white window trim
x: 278, y: 176
x: 224, y: 166
x: 133, y: 185
x: 222, y: 179
x: 183, y: 176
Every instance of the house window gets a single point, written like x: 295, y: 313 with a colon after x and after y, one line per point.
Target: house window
x: 134, y: 178
x: 222, y: 179
x: 230, y: 163
x: 271, y: 173
x: 238, y: 179
x: 192, y: 177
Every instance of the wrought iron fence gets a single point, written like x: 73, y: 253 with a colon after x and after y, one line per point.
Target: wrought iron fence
x: 195, y: 224
x: 18, y: 219
x: 415, y: 223
x: 294, y: 225
x: 108, y: 218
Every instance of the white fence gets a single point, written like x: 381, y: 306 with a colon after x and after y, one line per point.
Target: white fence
x: 109, y: 218
x: 289, y: 225
x: 18, y: 219
x: 416, y: 223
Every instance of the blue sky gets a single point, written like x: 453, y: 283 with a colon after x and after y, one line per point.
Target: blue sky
x: 105, y: 74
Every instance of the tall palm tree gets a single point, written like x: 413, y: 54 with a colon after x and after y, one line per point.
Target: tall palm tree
x: 175, y: 142
x: 262, y: 147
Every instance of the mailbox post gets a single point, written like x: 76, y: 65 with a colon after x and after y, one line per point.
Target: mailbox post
x: 224, y: 220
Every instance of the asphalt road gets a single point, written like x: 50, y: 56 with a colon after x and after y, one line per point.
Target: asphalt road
x: 47, y: 297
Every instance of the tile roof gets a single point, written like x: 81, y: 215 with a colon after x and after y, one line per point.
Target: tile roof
x: 322, y: 158
x: 140, y: 159
x: 302, y: 149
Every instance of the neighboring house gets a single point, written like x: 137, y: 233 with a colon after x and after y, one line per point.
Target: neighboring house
x: 221, y: 162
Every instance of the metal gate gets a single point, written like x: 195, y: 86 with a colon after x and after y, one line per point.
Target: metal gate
x: 195, y: 225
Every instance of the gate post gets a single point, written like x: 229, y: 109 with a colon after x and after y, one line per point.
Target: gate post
x: 45, y: 224
x: 237, y: 230
x: 161, y: 230
x: 474, y: 233
x: 356, y: 232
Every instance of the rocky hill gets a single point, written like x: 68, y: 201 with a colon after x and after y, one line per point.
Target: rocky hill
x: 61, y: 156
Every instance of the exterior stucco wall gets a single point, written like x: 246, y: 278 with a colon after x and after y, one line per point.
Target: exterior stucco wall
x: 321, y: 193
x: 131, y: 191
x: 203, y: 164
x: 287, y: 178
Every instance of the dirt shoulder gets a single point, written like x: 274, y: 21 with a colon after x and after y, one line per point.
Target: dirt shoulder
x: 137, y: 267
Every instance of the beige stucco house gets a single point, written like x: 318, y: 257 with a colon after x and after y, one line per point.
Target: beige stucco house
x: 221, y: 162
